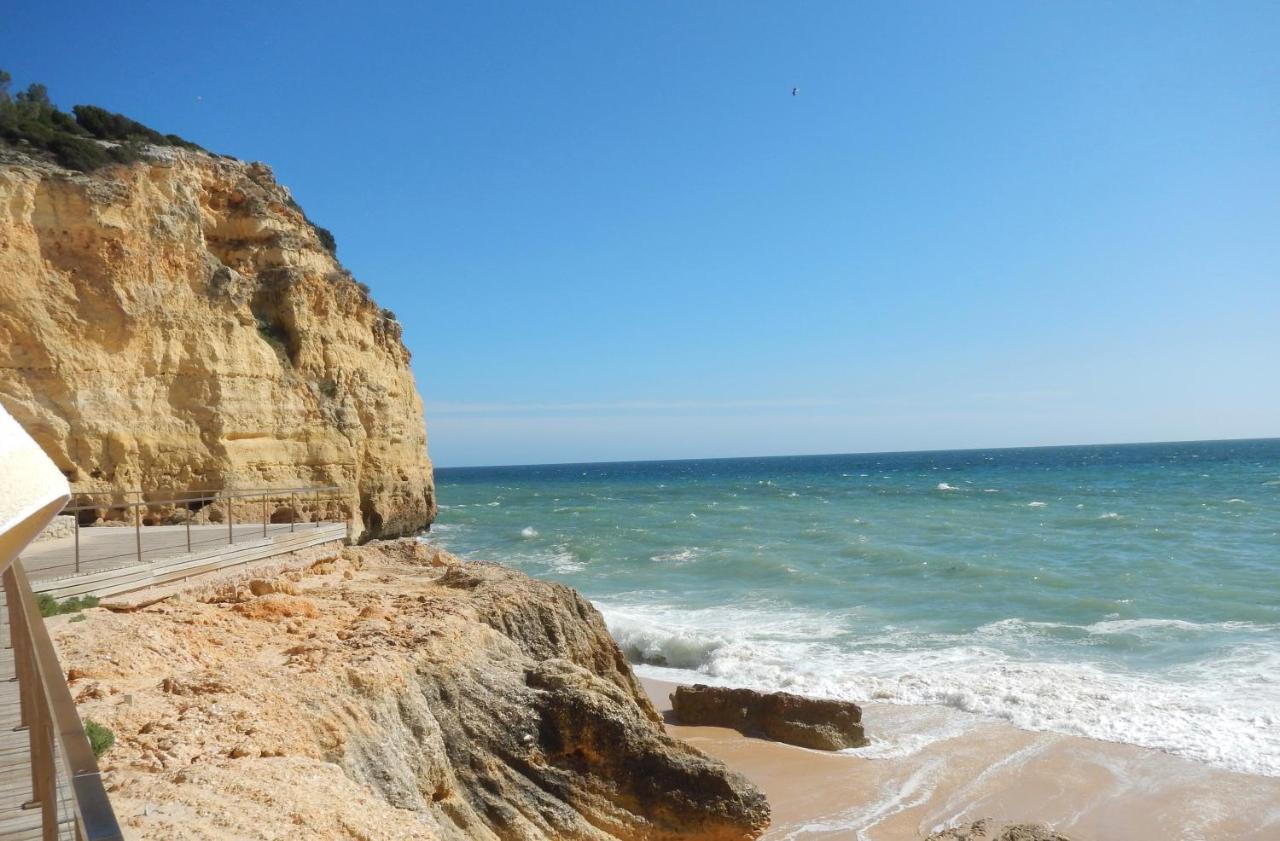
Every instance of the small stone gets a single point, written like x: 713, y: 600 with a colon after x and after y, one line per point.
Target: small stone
x: 243, y: 750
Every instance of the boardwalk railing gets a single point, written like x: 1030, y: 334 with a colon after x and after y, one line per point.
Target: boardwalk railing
x: 66, y: 785
x: 232, y: 509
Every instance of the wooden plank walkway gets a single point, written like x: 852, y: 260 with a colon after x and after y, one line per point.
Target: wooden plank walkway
x: 17, y: 823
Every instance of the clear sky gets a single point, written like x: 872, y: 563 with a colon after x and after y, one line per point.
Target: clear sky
x: 611, y: 232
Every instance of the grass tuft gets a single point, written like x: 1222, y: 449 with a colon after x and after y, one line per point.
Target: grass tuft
x: 100, y: 737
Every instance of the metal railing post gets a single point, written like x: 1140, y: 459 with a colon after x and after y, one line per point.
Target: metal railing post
x: 322, y: 499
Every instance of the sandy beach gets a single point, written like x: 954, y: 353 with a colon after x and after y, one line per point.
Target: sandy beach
x: 931, y: 767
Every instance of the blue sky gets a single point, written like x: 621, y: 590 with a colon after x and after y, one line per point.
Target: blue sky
x: 612, y: 233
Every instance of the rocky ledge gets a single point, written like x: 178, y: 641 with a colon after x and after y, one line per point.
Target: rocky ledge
x: 817, y: 723
x: 388, y: 692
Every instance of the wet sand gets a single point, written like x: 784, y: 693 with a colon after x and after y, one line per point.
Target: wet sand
x: 932, y: 767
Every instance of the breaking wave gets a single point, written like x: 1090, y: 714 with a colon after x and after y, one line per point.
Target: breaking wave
x: 1223, y: 711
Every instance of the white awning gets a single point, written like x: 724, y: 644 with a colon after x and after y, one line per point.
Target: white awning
x: 32, y: 489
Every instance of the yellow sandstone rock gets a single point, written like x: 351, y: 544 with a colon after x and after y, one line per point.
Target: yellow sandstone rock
x: 178, y: 323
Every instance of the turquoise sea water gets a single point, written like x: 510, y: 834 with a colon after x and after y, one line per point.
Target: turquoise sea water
x: 1128, y: 593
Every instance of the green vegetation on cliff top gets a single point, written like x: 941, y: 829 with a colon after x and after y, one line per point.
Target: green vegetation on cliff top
x: 29, y: 118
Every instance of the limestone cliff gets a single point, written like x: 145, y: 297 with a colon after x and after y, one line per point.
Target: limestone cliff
x: 177, y: 323
x: 393, y: 692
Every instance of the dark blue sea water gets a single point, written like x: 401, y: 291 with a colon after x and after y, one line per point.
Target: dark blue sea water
x: 1129, y: 593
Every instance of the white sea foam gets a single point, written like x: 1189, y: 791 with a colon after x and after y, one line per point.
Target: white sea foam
x: 943, y: 486
x: 899, y: 736
x: 681, y: 556
x: 563, y: 561
x: 1110, y: 515
x: 1222, y: 710
x: 892, y: 797
x: 1036, y: 504
x: 528, y: 531
x: 966, y: 794
x: 1125, y: 626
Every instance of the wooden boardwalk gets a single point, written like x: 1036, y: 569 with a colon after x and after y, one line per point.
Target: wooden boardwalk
x: 17, y: 823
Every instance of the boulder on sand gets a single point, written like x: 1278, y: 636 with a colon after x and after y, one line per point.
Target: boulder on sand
x: 818, y: 723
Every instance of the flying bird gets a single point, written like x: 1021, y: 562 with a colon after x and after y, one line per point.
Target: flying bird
x: 795, y: 91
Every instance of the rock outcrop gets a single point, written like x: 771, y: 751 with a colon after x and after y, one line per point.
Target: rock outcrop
x: 986, y: 830
x: 817, y: 723
x: 390, y: 692
x: 178, y: 324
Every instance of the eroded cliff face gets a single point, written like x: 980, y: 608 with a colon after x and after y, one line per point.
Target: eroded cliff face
x: 178, y: 324
x: 392, y: 692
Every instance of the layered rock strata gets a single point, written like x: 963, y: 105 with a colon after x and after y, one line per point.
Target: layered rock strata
x: 179, y: 324
x: 389, y: 692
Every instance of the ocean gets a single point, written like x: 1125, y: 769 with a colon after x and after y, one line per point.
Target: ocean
x: 1129, y: 593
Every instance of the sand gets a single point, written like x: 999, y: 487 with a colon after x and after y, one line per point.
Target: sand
x: 933, y: 767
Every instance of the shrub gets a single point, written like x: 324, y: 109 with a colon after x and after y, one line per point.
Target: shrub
x: 32, y: 119
x: 105, y: 125
x: 78, y: 153
x: 389, y: 315
x: 36, y: 93
x: 49, y: 606
x: 100, y: 737
x: 326, y: 238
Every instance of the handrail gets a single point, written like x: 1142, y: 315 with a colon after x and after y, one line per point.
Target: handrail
x: 317, y: 493
x: 213, y: 496
x: 56, y: 731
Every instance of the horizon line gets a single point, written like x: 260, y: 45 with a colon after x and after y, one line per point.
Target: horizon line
x: 870, y: 453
